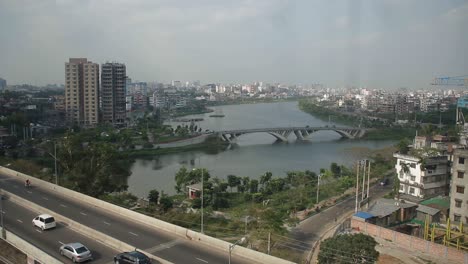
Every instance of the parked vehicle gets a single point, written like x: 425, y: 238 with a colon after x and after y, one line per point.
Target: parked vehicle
x: 134, y: 257
x: 44, y: 221
x: 77, y: 252
x: 384, y: 182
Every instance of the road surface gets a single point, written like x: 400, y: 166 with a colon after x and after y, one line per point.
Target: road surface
x: 158, y: 242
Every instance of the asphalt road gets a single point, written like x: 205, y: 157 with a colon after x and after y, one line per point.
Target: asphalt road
x: 310, y: 230
x: 158, y: 242
x: 18, y: 220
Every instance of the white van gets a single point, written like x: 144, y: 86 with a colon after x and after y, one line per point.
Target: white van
x: 44, y: 221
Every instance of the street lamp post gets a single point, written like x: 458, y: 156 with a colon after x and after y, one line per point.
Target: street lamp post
x: 55, y: 158
x: 231, y: 247
x: 1, y: 215
x: 202, y: 187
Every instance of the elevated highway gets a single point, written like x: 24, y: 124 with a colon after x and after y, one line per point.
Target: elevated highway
x: 166, y: 241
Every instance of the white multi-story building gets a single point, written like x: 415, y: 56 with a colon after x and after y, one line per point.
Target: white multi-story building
x: 82, y: 92
x: 422, y: 178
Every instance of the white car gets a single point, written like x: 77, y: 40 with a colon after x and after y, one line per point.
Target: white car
x: 44, y: 221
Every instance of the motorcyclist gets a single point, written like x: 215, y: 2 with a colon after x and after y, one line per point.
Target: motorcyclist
x: 28, y: 183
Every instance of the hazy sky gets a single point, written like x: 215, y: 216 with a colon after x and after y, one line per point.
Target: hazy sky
x: 374, y: 43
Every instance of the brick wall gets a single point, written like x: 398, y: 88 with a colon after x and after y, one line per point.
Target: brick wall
x: 411, y: 242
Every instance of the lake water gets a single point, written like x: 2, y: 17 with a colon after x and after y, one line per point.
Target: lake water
x: 254, y: 154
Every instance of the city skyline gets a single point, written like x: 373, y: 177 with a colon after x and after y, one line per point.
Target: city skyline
x: 385, y: 44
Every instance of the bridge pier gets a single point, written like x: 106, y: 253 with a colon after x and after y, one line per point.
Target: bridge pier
x: 298, y: 134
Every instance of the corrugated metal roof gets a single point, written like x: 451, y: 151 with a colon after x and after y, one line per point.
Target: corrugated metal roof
x: 363, y: 215
x: 427, y: 210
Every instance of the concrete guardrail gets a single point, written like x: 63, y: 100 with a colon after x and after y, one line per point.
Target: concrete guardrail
x: 212, y: 242
x: 30, y: 250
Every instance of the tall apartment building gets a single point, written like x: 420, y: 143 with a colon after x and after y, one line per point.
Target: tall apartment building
x: 459, y: 187
x: 82, y: 92
x: 113, y: 100
x: 3, y: 84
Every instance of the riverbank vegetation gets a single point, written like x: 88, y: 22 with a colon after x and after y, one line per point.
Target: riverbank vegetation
x: 382, y: 126
x: 264, y: 205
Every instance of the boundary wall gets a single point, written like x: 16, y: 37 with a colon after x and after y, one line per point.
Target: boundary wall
x: 30, y: 250
x: 223, y: 246
x: 410, y: 242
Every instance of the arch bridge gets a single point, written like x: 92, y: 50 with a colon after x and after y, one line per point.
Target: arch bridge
x: 282, y: 133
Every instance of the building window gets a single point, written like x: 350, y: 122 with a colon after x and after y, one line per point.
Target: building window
x: 413, y: 178
x: 411, y: 190
x: 460, y: 174
x: 401, y: 187
x: 456, y: 217
x: 466, y: 219
x: 458, y: 203
x: 460, y: 189
x: 461, y: 160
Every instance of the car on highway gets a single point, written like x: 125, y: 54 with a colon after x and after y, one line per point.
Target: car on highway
x: 77, y: 252
x: 133, y: 257
x: 44, y: 221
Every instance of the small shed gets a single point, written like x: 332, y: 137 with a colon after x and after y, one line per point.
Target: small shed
x: 193, y: 190
x: 425, y: 211
x: 363, y: 217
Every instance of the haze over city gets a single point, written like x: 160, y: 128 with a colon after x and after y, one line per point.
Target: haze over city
x: 376, y: 44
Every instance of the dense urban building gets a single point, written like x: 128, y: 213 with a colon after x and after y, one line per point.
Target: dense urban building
x: 459, y: 184
x: 82, y: 92
x: 3, y: 84
x: 113, y: 94
x: 422, y: 179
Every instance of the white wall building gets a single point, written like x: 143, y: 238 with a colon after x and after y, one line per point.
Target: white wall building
x: 422, y: 179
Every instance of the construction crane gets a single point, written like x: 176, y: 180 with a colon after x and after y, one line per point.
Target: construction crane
x: 453, y: 81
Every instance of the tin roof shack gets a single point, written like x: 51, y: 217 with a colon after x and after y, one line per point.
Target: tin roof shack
x: 432, y: 214
x: 364, y: 217
x: 441, y: 203
x: 390, y: 212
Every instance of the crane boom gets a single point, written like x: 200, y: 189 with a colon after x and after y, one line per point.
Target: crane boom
x: 455, y: 81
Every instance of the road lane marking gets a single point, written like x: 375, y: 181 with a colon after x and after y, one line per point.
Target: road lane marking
x: 45, y: 198
x: 133, y: 233
x: 63, y: 205
x: 83, y: 213
x: 16, y: 186
x: 29, y: 191
x: 19, y: 220
x: 38, y: 230
x: 202, y: 260
x: 106, y: 223
x: 164, y: 246
x: 61, y: 242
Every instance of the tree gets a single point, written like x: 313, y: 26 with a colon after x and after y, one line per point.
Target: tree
x: 253, y: 186
x: 153, y: 196
x: 357, y: 248
x: 166, y: 203
x: 335, y: 169
x: 402, y: 146
x: 265, y: 178
x: 233, y: 181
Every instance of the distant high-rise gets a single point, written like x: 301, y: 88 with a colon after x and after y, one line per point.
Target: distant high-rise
x: 113, y: 103
x: 3, y: 84
x: 82, y: 92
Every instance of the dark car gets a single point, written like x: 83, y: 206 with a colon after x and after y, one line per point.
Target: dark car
x: 134, y: 257
x: 384, y: 182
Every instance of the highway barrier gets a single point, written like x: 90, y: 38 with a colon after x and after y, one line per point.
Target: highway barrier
x: 29, y: 249
x: 82, y: 229
x: 254, y: 256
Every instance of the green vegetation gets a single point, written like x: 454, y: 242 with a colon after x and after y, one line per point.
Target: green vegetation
x: 356, y: 248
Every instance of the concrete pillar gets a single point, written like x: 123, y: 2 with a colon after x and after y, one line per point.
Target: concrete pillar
x: 298, y: 135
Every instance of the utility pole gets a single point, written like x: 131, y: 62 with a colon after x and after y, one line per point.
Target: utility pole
x: 55, y: 158
x: 363, y: 179
x: 368, y: 182
x: 1, y: 215
x: 357, y: 185
x: 202, y: 187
